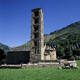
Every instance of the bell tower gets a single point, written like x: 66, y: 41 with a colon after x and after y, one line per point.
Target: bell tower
x: 37, y: 37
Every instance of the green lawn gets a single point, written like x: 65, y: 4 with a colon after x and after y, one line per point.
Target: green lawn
x: 50, y: 73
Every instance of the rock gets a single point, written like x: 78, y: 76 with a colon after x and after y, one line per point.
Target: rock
x: 69, y: 65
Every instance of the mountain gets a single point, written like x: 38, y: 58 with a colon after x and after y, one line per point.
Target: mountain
x: 4, y: 47
x: 56, y: 37
x: 73, y: 28
x: 24, y: 47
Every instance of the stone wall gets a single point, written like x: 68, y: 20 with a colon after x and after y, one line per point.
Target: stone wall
x: 43, y: 64
x: 35, y: 58
x: 50, y: 55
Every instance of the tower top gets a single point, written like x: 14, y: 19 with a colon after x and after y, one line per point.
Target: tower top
x: 36, y: 9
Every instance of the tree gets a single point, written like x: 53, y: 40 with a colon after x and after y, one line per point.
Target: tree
x: 2, y: 56
x: 60, y: 52
x: 68, y: 53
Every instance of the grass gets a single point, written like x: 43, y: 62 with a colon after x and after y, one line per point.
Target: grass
x: 50, y: 73
x: 78, y: 62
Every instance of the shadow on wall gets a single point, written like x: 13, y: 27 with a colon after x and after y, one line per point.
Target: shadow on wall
x: 18, y: 57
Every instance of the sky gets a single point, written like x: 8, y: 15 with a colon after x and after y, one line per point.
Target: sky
x: 15, y: 18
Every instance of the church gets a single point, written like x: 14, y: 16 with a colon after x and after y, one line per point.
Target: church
x: 38, y: 50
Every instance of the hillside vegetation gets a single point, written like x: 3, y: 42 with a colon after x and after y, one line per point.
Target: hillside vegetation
x: 63, y: 33
x: 66, y: 41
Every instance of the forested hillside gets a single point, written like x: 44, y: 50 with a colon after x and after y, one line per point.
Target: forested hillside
x: 66, y: 40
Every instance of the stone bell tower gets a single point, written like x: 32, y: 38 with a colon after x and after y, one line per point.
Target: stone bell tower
x: 37, y: 37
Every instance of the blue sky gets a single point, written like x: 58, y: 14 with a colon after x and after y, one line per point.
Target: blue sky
x: 15, y: 18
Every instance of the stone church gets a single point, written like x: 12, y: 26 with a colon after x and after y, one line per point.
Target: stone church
x: 38, y: 50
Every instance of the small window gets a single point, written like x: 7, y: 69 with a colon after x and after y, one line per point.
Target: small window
x: 36, y: 13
